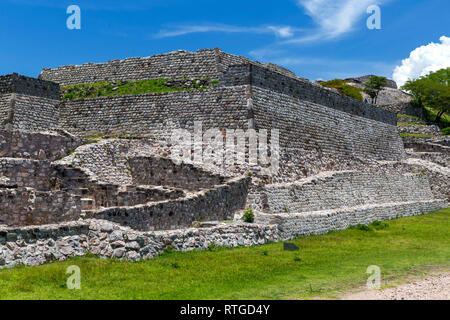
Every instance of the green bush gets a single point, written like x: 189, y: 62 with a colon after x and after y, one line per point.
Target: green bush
x: 344, y: 88
x: 446, y: 131
x: 249, y: 216
x: 378, y: 225
x: 361, y: 227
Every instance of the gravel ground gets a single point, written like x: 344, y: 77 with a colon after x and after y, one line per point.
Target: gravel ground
x: 432, y: 287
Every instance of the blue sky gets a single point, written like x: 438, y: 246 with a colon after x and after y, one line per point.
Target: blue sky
x: 317, y: 39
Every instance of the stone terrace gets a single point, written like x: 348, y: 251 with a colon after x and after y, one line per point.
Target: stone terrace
x: 342, y: 162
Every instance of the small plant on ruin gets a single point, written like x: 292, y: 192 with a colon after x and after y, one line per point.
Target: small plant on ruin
x: 249, y: 216
x: 374, y: 86
x: 212, y: 246
x: 344, y: 88
x: 168, y: 250
x: 378, y: 225
x: 286, y: 209
x: 249, y: 173
x: 361, y: 227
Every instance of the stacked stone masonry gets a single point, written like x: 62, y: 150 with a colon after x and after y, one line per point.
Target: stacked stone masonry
x: 126, y: 199
x: 333, y: 190
x: 175, y: 65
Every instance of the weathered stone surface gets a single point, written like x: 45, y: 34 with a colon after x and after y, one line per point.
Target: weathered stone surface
x: 341, y: 162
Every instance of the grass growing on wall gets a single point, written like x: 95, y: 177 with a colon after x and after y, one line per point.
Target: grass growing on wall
x: 415, y: 135
x: 344, y: 88
x: 119, y: 88
x: 323, y: 266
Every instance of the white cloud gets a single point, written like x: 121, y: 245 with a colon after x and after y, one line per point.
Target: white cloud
x: 279, y: 31
x: 334, y: 18
x: 423, y: 60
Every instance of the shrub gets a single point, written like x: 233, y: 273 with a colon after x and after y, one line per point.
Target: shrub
x: 344, y: 88
x: 378, y: 225
x: 361, y: 227
x: 446, y: 131
x: 249, y: 216
x: 212, y: 246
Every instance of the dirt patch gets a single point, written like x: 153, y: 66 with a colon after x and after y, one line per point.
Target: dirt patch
x: 435, y: 286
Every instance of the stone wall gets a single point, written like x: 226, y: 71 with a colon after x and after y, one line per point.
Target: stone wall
x: 218, y: 203
x: 178, y: 64
x: 292, y: 225
x: 15, y: 83
x: 164, y: 172
x: 27, y: 173
x: 38, y: 146
x: 5, y: 109
x: 333, y: 190
x: 404, y: 108
x: 264, y: 78
x: 174, y: 65
x: 156, y: 113
x: 26, y: 206
x: 306, y: 126
x: 28, y: 112
x: 34, y: 246
x: 419, y: 129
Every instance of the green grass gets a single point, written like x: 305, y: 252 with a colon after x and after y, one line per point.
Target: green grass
x: 410, y: 124
x: 324, y: 265
x: 446, y: 131
x: 399, y: 115
x: 119, y: 88
x: 344, y: 88
x: 415, y: 135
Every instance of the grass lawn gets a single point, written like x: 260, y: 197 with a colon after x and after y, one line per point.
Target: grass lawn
x: 324, y: 266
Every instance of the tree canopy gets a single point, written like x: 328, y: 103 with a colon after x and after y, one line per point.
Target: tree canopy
x: 432, y: 90
x: 374, y: 86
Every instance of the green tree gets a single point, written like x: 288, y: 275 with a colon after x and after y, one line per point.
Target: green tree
x: 432, y: 91
x: 374, y: 86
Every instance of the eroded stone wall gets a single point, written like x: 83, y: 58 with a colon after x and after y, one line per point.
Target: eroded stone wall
x: 34, y: 246
x: 157, y: 113
x: 174, y: 65
x: 27, y: 173
x: 15, y: 83
x: 332, y: 190
x: 26, y: 206
x: 217, y: 203
x: 164, y: 172
x: 337, y: 134
x: 292, y: 225
x: 38, y: 146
